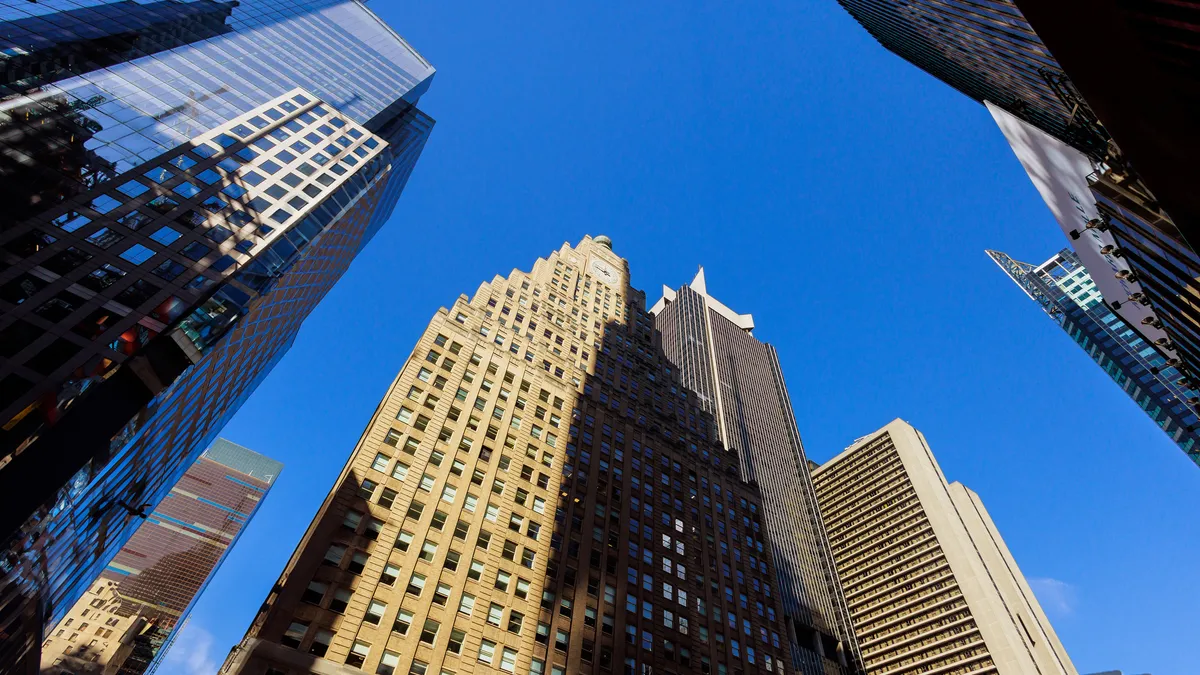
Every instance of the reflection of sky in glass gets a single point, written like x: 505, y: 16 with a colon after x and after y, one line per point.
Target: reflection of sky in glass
x: 335, y: 48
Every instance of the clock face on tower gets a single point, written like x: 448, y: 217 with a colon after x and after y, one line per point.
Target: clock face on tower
x: 603, y: 271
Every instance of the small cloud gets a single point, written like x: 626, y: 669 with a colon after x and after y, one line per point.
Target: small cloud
x: 1056, y: 597
x: 191, y: 654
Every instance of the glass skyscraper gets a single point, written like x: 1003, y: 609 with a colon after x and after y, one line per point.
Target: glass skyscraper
x: 183, y: 182
x: 125, y: 623
x: 738, y: 381
x: 1064, y: 290
x: 990, y: 52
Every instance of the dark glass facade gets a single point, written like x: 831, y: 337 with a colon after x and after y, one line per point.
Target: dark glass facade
x: 990, y: 52
x: 739, y: 382
x: 156, y: 577
x: 987, y: 51
x: 1165, y: 266
x: 204, y: 173
x: 1066, y: 292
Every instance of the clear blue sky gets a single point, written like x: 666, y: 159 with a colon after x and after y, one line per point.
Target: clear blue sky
x: 836, y: 192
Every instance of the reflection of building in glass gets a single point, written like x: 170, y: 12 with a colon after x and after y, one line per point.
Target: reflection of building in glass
x: 992, y: 54
x: 738, y: 380
x: 1065, y: 291
x: 144, y: 594
x: 536, y: 493
x: 184, y: 212
x: 45, y: 157
x: 932, y: 588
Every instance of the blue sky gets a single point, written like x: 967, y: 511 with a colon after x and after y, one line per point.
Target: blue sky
x: 836, y: 192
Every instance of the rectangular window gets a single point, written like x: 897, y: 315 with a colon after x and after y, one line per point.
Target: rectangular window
x: 487, y: 651
x: 508, y: 660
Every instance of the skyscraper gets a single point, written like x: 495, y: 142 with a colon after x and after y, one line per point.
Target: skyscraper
x: 739, y: 382
x: 537, y: 492
x: 201, y: 174
x: 989, y: 53
x: 992, y: 54
x: 931, y: 585
x: 1145, y: 92
x: 124, y: 624
x: 1066, y: 292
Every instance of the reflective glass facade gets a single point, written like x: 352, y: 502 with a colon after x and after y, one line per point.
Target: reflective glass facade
x: 193, y: 177
x: 989, y: 51
x: 1065, y: 291
x: 144, y: 594
x: 1166, y: 266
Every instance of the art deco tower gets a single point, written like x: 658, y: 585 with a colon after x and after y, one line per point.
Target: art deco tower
x: 931, y: 586
x: 536, y: 493
x: 739, y: 382
x: 183, y: 182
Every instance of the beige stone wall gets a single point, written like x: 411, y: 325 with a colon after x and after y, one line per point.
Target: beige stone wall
x: 930, y: 583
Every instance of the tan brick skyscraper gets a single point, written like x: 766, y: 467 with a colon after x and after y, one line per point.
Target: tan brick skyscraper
x: 536, y: 493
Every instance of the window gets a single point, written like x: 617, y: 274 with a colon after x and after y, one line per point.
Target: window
x: 390, y: 574
x: 320, y: 643
x: 358, y: 654
x: 495, y: 614
x: 375, y: 610
x: 294, y: 634
x: 367, y: 489
x: 515, y: 619
x: 428, y: 551
x: 387, y: 497
x: 341, y: 598
x: 502, y: 580
x: 441, y: 594
x: 522, y: 588
x: 416, y: 583
x: 466, y: 604
x: 476, y: 571
x: 315, y: 592
x: 455, y: 644
x: 561, y: 640
x: 508, y: 660
x: 381, y: 462
x: 404, y: 540
x: 374, y: 526
x: 403, y: 621
x: 429, y: 631
x: 487, y: 651
x: 335, y: 554
x: 387, y: 665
